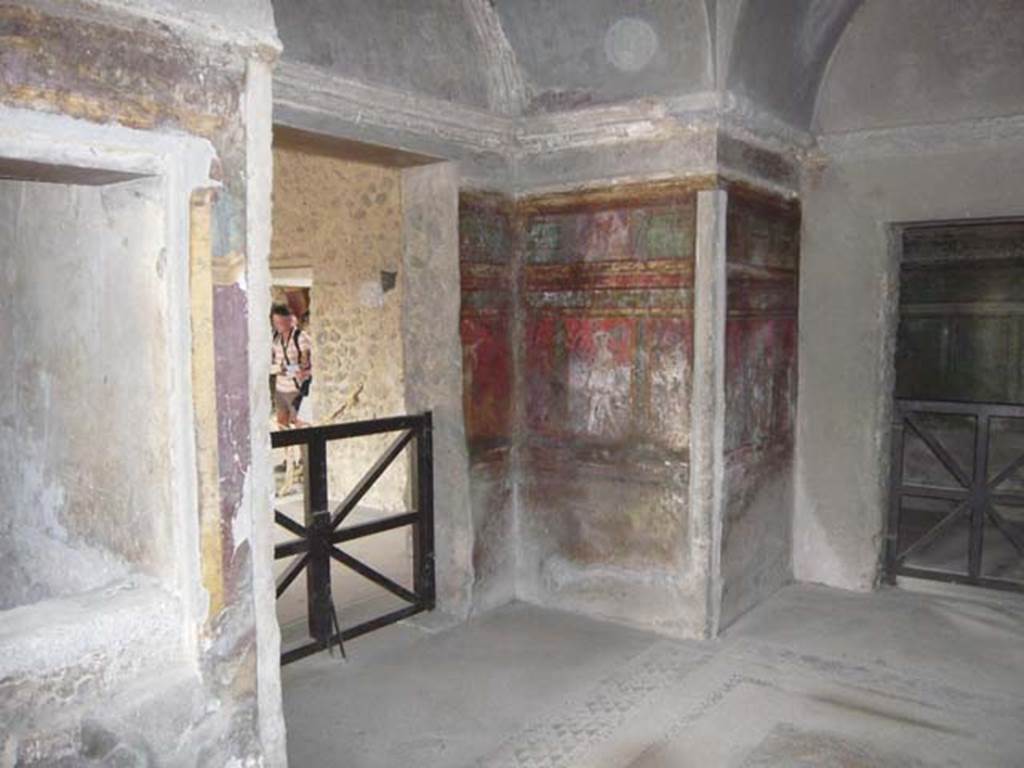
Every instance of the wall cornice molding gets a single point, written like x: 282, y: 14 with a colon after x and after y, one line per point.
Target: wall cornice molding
x: 642, y: 138
x: 199, y: 24
x: 938, y: 138
x: 303, y: 86
x: 638, y: 120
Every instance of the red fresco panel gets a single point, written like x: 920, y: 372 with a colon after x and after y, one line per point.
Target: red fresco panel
x: 760, y: 381
x: 545, y: 385
x: 487, y: 376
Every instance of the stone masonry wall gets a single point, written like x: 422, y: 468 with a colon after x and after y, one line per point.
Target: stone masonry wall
x: 343, y: 220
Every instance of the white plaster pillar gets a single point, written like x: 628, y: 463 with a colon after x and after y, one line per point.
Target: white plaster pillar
x: 707, y: 404
x: 433, y: 365
x: 259, y: 184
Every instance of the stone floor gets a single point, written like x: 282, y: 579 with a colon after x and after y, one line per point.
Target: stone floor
x: 813, y: 677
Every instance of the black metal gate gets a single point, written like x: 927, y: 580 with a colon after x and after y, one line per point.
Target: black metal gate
x: 322, y: 531
x: 957, y: 493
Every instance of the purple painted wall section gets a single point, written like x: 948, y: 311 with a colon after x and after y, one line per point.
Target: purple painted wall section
x: 760, y: 381
x: 231, y: 344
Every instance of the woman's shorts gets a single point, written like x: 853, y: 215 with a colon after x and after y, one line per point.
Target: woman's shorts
x: 287, y: 402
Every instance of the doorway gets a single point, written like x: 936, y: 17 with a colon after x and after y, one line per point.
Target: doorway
x: 957, y: 490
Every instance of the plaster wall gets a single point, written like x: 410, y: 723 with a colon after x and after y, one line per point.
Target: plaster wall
x: 941, y: 142
x: 150, y: 94
x: 84, y: 304
x: 966, y: 62
x: 433, y: 366
x: 607, y: 359
x: 580, y: 53
x: 233, y: 21
x: 763, y: 251
x: 848, y: 303
x: 427, y: 47
x: 779, y: 52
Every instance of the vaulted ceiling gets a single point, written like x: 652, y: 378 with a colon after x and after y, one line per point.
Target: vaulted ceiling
x: 787, y: 57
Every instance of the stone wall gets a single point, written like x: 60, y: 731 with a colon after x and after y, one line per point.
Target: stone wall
x: 343, y: 220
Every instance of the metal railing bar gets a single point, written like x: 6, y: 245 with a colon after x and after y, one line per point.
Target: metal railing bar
x: 356, y: 494
x: 290, y: 548
x: 381, y: 621
x: 314, y: 549
x: 286, y: 522
x: 288, y: 437
x: 933, y: 492
x: 960, y: 578
x: 935, y: 532
x: 976, y: 500
x: 377, y: 578
x: 939, y: 450
x: 1003, y: 476
x: 953, y: 407
x: 1004, y: 528
x: 1009, y: 499
x: 302, y: 651
x: 374, y: 526
x: 291, y: 573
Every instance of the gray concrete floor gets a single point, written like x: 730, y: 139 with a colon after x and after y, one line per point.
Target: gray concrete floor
x: 812, y: 677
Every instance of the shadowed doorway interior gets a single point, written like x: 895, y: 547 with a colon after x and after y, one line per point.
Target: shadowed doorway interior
x: 958, y: 489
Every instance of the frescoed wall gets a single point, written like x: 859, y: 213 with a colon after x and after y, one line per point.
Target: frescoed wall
x: 763, y: 252
x: 487, y: 254
x: 607, y: 349
x: 577, y: 332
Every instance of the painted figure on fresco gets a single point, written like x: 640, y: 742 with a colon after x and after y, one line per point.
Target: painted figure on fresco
x: 669, y: 367
x: 470, y: 365
x: 600, y: 388
x: 605, y: 237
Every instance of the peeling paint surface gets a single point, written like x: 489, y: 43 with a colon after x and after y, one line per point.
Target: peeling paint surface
x: 762, y: 263
x: 579, y: 306
x: 104, y: 66
x: 81, y: 511
x: 488, y: 247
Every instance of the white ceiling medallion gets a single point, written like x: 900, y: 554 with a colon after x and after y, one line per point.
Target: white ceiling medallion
x: 630, y: 44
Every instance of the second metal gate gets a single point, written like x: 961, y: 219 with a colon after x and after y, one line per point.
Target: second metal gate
x: 957, y: 493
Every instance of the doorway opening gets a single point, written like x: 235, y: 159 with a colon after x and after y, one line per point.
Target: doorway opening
x: 337, y: 266
x: 957, y: 487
